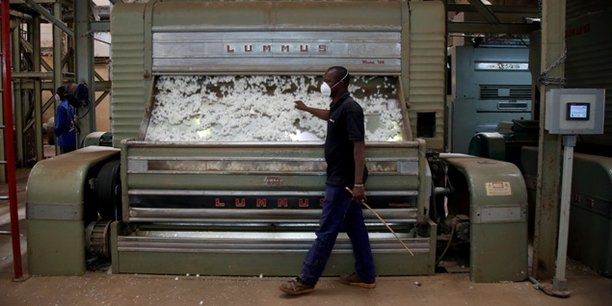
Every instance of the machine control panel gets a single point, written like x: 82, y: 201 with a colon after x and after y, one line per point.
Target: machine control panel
x: 575, y: 111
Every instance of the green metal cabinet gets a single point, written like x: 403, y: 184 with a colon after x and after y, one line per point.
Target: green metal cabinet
x: 498, y: 215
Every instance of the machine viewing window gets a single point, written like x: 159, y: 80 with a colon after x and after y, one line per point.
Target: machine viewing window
x: 426, y: 124
x: 261, y: 108
x: 577, y: 111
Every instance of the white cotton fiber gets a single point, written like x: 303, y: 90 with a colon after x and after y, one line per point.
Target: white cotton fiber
x: 261, y: 108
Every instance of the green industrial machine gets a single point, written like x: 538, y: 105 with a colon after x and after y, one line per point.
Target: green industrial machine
x: 590, y: 236
x: 243, y: 197
x: 590, y: 222
x: 218, y: 173
x: 497, y: 208
x: 60, y: 203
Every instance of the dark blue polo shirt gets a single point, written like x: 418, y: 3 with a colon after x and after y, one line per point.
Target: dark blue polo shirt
x: 345, y: 125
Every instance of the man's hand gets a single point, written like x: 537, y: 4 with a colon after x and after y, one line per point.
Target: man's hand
x: 300, y: 105
x: 317, y: 112
x: 73, y: 123
x: 358, y: 194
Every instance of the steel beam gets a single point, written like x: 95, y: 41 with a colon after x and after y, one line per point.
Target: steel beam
x: 84, y: 65
x: 549, y: 147
x: 101, y: 97
x: 37, y: 1
x: 17, y: 98
x: 50, y: 17
x: 36, y: 61
x: 33, y: 75
x: 480, y: 27
x: 50, y: 102
x: 28, y: 47
x: 100, y: 26
x: 57, y: 56
x: 98, y: 76
x: 100, y: 86
x: 500, y: 9
x: 484, y: 11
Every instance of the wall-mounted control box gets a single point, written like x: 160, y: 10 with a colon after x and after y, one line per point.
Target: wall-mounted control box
x: 575, y: 111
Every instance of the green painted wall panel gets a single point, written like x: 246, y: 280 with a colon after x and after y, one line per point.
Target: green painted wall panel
x: 127, y: 109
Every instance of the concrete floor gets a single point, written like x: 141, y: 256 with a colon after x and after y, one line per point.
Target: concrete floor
x: 102, y: 288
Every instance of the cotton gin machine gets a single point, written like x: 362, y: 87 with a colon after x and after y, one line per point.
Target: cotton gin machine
x: 213, y: 171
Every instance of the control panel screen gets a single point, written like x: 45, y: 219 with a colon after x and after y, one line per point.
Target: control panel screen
x: 577, y: 111
x: 573, y: 111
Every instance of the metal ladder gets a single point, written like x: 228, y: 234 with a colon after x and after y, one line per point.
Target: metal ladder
x: 9, y: 146
x: 3, y: 197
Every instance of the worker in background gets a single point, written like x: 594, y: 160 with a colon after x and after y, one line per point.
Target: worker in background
x: 345, y: 157
x: 65, y: 120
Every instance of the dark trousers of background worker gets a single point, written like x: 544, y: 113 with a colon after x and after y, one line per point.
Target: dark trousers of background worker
x: 340, y: 212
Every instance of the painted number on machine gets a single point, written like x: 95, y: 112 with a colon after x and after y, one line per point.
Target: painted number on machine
x: 498, y: 189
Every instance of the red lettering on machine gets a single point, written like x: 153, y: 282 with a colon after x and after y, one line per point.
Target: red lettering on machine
x: 261, y: 202
x: 218, y: 203
x: 282, y: 202
x: 240, y: 202
x: 304, y: 203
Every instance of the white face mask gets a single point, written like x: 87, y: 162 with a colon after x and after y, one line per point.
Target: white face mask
x: 56, y: 97
x: 326, y: 90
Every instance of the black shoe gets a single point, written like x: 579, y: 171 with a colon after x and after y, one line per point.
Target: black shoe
x: 354, y: 280
x: 296, y: 287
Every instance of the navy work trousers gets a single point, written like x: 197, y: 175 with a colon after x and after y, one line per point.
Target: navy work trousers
x: 340, y: 212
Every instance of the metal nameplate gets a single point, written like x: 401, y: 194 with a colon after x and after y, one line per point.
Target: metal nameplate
x: 499, y: 214
x: 502, y: 66
x: 251, y: 51
x: 47, y: 211
x: 500, y: 188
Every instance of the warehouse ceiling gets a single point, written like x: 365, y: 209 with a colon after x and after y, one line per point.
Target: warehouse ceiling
x: 478, y: 16
x: 470, y: 17
x: 491, y: 16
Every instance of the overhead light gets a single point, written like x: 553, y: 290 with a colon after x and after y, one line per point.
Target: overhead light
x: 532, y: 19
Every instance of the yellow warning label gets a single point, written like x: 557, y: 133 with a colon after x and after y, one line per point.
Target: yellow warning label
x: 498, y: 189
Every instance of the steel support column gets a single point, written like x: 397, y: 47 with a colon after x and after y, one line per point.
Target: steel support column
x: 85, y: 64
x: 549, y: 146
x: 17, y: 96
x: 57, y: 55
x: 2, y: 142
x: 36, y: 61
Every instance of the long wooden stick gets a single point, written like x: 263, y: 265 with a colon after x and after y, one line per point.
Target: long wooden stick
x: 383, y: 221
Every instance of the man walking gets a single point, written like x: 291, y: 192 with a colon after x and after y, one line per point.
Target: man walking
x: 345, y: 157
